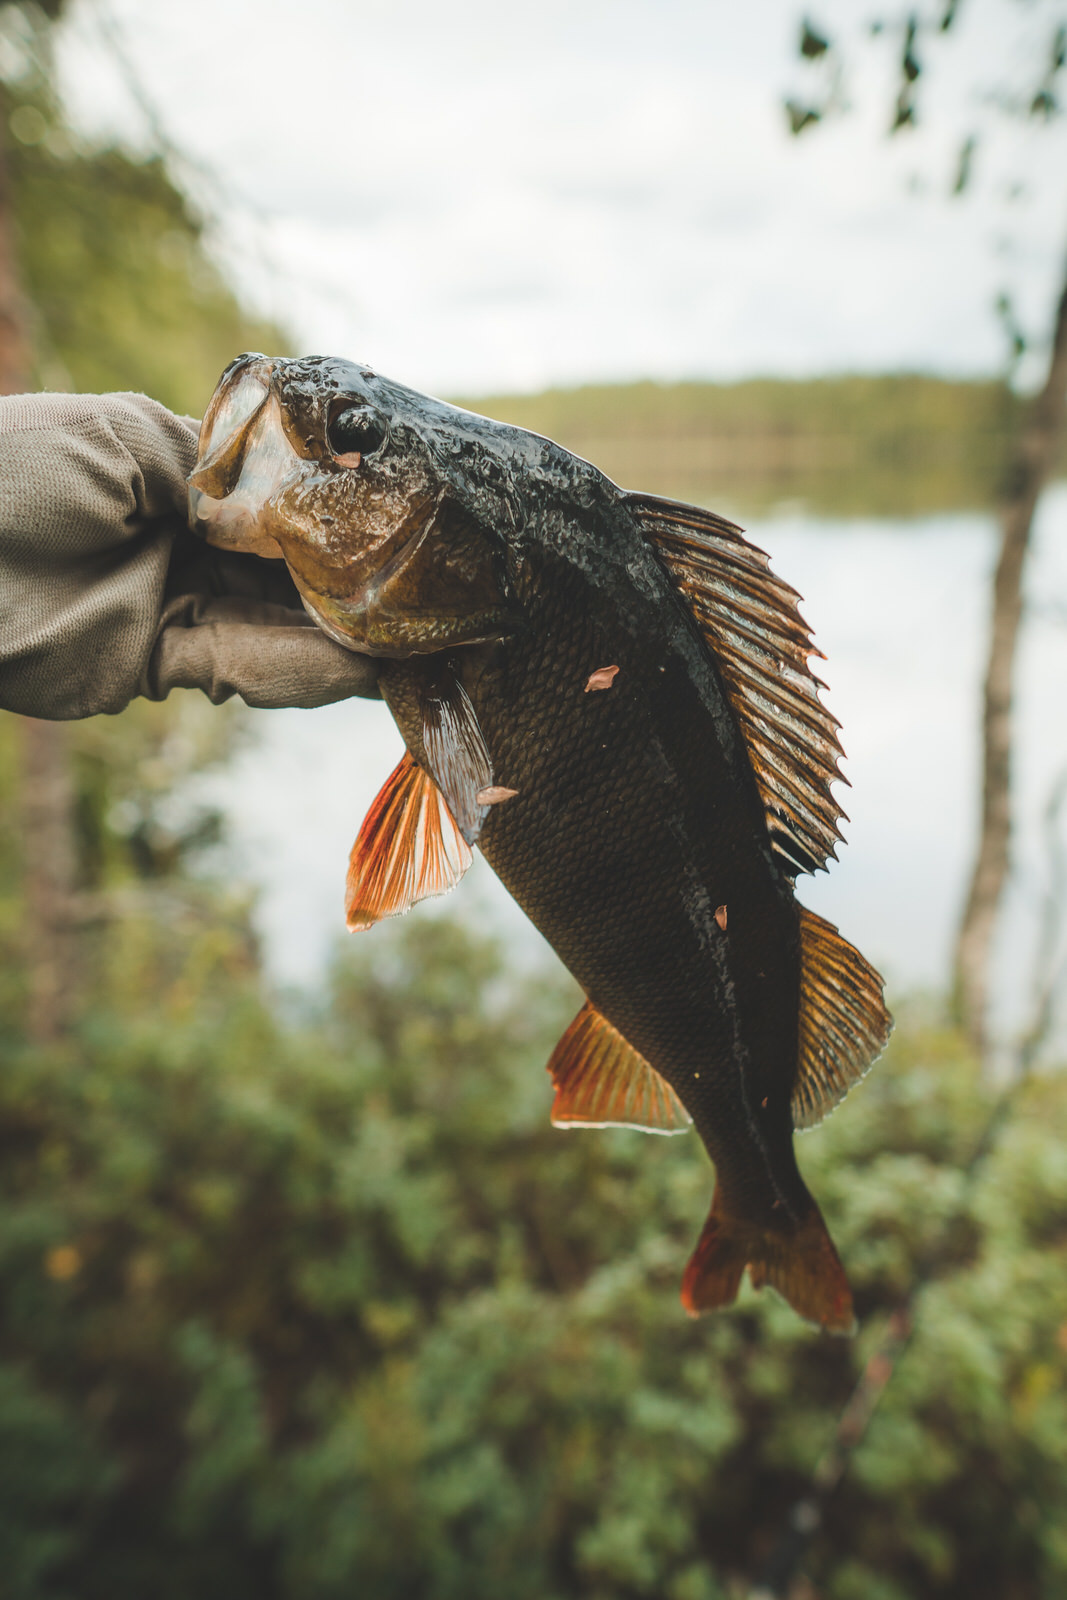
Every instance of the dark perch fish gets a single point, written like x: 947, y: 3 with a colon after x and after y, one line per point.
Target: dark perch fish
x: 611, y: 694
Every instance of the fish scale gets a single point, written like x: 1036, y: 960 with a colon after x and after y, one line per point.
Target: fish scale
x: 610, y: 695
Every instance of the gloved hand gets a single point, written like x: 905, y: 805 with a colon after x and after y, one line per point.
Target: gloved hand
x: 105, y: 594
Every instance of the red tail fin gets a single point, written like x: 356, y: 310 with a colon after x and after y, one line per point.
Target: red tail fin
x: 802, y: 1265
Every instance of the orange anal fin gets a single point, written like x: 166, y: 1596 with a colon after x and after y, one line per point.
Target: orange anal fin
x: 801, y: 1265
x: 408, y: 849
x: 602, y: 1082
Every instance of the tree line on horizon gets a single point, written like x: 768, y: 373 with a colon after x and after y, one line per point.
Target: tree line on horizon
x: 853, y: 444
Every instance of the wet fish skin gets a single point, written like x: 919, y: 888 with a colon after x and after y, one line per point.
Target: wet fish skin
x: 467, y: 548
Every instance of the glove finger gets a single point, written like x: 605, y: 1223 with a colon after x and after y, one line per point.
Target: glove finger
x: 197, y: 610
x: 268, y: 664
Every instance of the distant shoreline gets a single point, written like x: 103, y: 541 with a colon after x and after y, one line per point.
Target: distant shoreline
x: 893, y: 445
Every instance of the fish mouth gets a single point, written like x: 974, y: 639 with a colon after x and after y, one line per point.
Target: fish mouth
x: 245, y: 457
x: 239, y: 394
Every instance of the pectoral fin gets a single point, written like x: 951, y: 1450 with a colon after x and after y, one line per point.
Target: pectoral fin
x: 408, y: 849
x: 602, y: 1082
x: 455, y: 749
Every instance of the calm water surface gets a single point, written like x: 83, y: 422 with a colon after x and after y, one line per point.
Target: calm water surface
x: 899, y: 608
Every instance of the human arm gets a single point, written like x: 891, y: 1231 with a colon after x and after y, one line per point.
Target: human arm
x: 106, y: 595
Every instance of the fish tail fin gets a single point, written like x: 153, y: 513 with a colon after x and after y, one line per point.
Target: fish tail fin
x: 716, y: 1266
x: 801, y: 1264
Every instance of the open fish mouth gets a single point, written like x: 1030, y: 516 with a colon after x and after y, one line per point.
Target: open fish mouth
x: 245, y: 456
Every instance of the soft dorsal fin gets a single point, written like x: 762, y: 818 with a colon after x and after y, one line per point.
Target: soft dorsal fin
x: 408, y: 849
x: 455, y: 749
x: 844, y: 1025
x: 761, y: 644
x: 602, y: 1082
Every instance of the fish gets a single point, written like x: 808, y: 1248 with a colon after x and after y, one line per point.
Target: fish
x: 610, y: 695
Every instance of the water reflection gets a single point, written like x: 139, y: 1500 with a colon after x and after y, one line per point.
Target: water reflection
x: 899, y: 607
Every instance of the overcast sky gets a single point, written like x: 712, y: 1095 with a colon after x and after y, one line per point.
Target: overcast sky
x: 491, y: 195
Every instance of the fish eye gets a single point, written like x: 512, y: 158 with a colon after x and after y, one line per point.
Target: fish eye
x: 355, y: 431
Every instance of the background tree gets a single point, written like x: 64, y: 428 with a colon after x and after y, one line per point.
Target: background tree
x: 104, y: 284
x: 46, y: 808
x: 1037, y: 444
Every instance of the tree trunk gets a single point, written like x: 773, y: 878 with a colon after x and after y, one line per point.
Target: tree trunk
x: 48, y: 878
x: 47, y: 802
x: 1033, y: 459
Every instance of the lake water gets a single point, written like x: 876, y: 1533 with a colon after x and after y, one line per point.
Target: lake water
x: 900, y: 610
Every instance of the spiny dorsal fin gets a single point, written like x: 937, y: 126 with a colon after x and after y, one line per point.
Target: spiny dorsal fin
x: 408, y: 849
x: 602, y: 1082
x: 844, y: 1025
x: 761, y: 644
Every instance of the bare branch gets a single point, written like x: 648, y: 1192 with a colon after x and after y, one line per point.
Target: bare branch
x: 963, y: 171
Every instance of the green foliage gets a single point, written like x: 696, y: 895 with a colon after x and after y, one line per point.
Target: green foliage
x: 326, y: 1307
x: 123, y: 292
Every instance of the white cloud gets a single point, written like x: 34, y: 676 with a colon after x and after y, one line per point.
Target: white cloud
x: 493, y: 196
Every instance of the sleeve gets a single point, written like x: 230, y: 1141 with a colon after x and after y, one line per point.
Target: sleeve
x: 104, y: 593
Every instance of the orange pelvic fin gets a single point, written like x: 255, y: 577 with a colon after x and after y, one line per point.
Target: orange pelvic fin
x: 802, y: 1265
x: 408, y: 849
x: 602, y: 1082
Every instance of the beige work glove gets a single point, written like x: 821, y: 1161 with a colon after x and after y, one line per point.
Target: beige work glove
x: 105, y: 594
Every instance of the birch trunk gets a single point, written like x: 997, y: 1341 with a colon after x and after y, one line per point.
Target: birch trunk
x: 1033, y: 459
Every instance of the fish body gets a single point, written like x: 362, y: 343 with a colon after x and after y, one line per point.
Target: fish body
x: 547, y: 637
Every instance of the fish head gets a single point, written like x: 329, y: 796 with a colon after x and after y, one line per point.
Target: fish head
x: 388, y: 513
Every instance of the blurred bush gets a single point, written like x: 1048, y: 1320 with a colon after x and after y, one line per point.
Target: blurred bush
x: 124, y: 294
x: 122, y: 291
